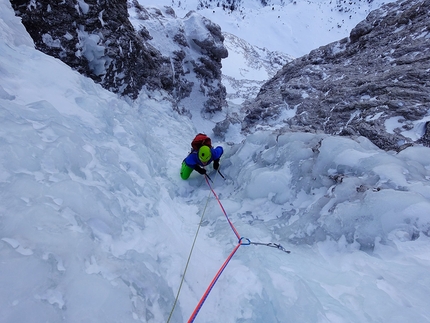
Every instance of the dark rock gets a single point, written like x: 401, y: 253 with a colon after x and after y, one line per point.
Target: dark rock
x: 97, y: 39
x: 353, y: 86
x: 195, y: 54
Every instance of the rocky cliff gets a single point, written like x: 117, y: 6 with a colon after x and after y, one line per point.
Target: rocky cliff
x: 97, y: 39
x: 375, y: 83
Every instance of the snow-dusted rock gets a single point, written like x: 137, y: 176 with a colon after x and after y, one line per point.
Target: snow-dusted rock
x: 195, y: 48
x: 96, y: 39
x: 100, y: 40
x: 376, y: 83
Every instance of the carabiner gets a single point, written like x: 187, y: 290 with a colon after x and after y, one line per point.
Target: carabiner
x: 246, y: 243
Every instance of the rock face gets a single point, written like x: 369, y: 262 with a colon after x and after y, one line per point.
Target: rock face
x: 195, y: 47
x: 97, y: 39
x: 376, y: 83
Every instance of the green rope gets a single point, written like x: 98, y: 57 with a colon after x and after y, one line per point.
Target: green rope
x: 189, y: 257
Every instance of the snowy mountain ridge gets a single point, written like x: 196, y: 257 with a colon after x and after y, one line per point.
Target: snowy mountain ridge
x: 248, y: 67
x: 295, y: 27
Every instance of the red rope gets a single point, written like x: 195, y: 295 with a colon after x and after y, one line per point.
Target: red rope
x: 222, y: 208
x: 214, y: 280
x: 242, y: 241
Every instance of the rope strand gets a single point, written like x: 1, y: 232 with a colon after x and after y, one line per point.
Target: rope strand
x: 189, y: 257
x: 212, y: 284
x: 225, y: 213
x: 241, y: 241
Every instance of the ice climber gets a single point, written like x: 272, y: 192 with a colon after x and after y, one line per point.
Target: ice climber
x: 201, y: 155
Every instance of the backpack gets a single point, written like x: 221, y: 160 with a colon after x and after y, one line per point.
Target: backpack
x: 201, y: 140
